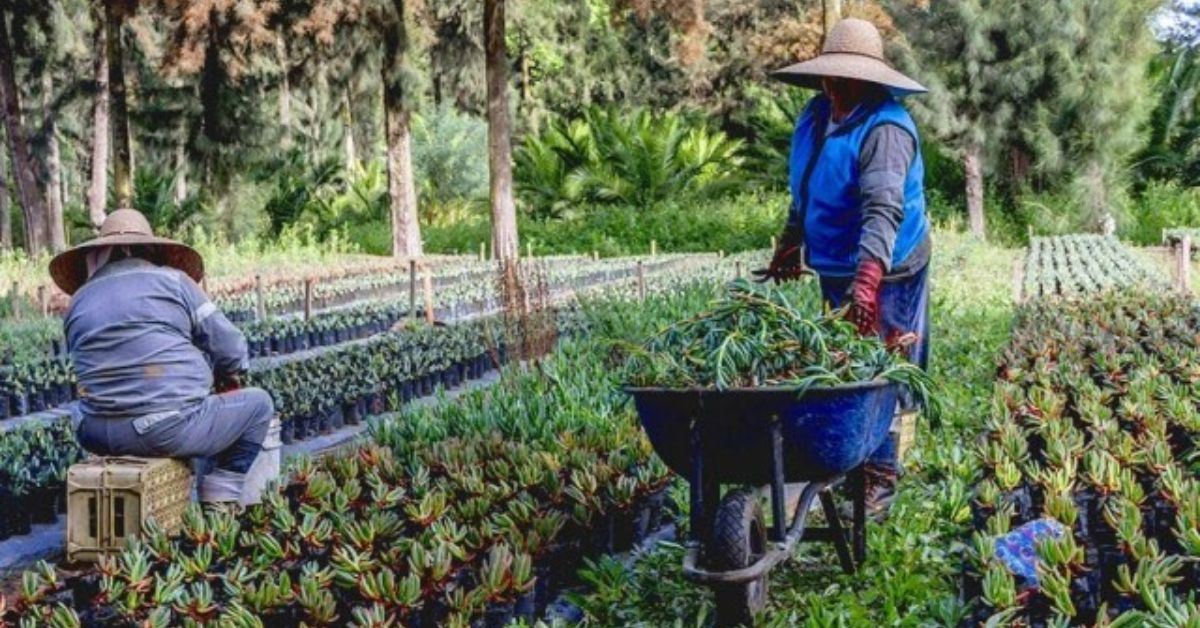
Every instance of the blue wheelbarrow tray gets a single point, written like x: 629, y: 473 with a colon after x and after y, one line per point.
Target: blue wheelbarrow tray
x: 826, y: 431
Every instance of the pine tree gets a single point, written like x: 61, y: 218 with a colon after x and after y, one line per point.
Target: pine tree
x: 951, y: 48
x: 505, y: 241
x: 377, y: 36
x: 56, y: 234
x: 1056, y: 90
x: 97, y: 195
x: 398, y: 104
x: 23, y: 18
x: 115, y: 13
x: 6, y: 242
x: 1084, y: 121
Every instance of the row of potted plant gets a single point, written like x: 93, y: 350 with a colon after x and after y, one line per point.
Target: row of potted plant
x: 1081, y: 264
x: 465, y: 514
x: 33, y: 471
x: 29, y: 386
x: 33, y: 383
x: 1096, y: 425
x: 282, y: 335
x: 320, y: 394
x: 343, y: 386
x: 287, y: 298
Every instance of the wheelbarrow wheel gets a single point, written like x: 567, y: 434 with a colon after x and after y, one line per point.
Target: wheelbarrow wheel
x: 739, y: 538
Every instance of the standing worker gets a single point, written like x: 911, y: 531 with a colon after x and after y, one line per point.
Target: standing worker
x: 147, y: 346
x: 857, y: 216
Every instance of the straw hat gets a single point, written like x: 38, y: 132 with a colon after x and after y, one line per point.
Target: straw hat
x: 854, y: 50
x: 123, y: 227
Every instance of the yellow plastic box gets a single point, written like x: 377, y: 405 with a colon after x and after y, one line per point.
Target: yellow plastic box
x: 109, y: 499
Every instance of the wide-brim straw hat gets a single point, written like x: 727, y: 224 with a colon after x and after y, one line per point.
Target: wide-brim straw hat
x: 124, y: 227
x: 853, y: 50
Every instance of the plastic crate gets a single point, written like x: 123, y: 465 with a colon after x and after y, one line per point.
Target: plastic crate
x: 109, y: 499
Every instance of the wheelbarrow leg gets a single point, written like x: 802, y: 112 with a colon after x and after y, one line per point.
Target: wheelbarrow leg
x: 858, y: 493
x: 778, y: 492
x: 704, y: 492
x: 840, y: 543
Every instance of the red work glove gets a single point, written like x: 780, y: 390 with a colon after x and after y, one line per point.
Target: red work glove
x: 226, y: 382
x: 788, y: 262
x: 863, y: 297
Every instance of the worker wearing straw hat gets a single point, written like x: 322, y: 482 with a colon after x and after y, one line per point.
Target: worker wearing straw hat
x: 857, y: 216
x: 147, y: 345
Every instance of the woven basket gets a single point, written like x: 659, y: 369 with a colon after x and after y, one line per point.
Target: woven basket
x: 110, y: 499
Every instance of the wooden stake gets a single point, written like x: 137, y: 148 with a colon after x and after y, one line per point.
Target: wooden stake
x: 1018, y: 280
x: 260, y: 305
x: 412, y: 288
x: 1183, y: 265
x: 529, y: 248
x: 483, y: 251
x: 641, y: 284
x: 308, y: 294
x: 774, y: 243
x: 654, y: 248
x: 43, y: 300
x: 428, y: 284
x: 595, y: 255
x: 738, y: 268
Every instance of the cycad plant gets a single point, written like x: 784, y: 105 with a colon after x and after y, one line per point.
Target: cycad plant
x: 638, y: 159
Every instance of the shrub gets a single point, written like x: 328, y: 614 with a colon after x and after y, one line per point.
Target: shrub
x: 448, y: 152
x: 1162, y: 205
x: 768, y: 126
x: 746, y: 221
x: 634, y: 158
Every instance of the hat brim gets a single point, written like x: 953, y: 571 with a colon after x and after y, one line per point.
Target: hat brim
x: 851, y: 66
x: 69, y: 268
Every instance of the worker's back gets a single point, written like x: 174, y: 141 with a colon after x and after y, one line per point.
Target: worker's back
x: 130, y: 333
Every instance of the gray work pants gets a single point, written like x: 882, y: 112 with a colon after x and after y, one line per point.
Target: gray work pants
x: 227, y: 432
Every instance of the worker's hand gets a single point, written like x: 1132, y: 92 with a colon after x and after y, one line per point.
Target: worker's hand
x: 863, y: 297
x: 900, y: 343
x: 787, y: 263
x: 225, y: 382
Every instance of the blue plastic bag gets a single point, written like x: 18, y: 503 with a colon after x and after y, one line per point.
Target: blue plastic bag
x: 1018, y: 549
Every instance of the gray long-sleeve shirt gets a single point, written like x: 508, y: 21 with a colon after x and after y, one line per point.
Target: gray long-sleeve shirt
x: 886, y: 155
x: 145, y: 340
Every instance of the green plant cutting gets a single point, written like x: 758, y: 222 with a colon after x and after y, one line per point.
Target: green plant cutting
x: 755, y: 336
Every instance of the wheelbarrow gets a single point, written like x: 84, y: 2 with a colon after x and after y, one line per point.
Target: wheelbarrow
x: 796, y: 445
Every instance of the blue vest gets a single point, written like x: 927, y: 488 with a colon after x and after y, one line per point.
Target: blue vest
x: 824, y: 184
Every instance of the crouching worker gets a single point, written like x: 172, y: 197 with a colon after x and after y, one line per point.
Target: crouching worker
x: 147, y: 345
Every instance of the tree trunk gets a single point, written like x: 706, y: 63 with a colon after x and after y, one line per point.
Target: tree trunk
x: 504, y: 210
x: 402, y: 190
x: 97, y: 196
x: 54, y: 196
x: 285, y: 92
x: 348, y: 135
x: 122, y: 147
x: 831, y: 12
x: 1097, y: 197
x: 973, y: 167
x: 181, y: 163
x: 5, y: 206
x: 319, y: 104
x: 32, y: 205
